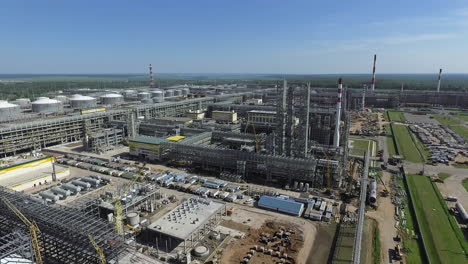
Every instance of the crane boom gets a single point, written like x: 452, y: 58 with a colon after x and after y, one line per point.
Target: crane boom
x: 33, y: 230
x: 99, y: 251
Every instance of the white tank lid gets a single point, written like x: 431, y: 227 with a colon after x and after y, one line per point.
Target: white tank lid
x: 111, y: 95
x: 5, y: 104
x: 79, y: 97
x: 45, y: 100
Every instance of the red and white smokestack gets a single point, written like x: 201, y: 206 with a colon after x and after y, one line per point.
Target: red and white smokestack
x: 336, y: 137
x: 373, y: 74
x: 438, y: 84
x: 151, y: 76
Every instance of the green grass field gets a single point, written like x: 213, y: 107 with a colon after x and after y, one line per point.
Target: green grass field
x: 413, y: 248
x: 408, y: 145
x: 396, y: 116
x: 461, y: 166
x: 443, y: 175
x: 446, y: 120
x: 376, y: 246
x: 441, y: 237
x: 460, y: 130
x: 359, y: 146
x: 465, y: 184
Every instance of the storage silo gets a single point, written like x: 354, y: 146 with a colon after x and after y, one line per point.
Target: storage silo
x: 185, y: 91
x: 46, y: 105
x: 111, y: 99
x: 62, y: 98
x: 8, y: 110
x: 78, y: 101
x: 129, y: 93
x: 144, y: 95
x: 158, y: 96
x: 23, y: 102
x: 147, y: 101
x: 177, y: 93
x: 168, y: 93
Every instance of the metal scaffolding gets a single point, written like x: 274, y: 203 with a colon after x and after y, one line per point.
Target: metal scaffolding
x: 15, y: 247
x: 64, y: 232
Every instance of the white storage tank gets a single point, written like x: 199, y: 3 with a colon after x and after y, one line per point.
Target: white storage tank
x: 177, y: 93
x: 168, y: 93
x: 23, y: 102
x: 46, y: 105
x: 157, y: 93
x: 78, y: 101
x: 185, y: 91
x: 62, y: 98
x: 147, y: 101
x: 129, y: 93
x: 144, y: 95
x: 133, y: 219
x: 8, y: 110
x: 112, y: 99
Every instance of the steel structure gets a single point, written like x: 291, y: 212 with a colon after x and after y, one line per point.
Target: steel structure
x: 63, y: 231
x: 28, y: 136
x: 15, y: 247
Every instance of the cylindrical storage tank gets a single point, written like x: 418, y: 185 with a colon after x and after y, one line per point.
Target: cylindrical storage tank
x: 158, y: 99
x: 46, y: 105
x: 62, y: 98
x: 144, y: 95
x: 168, y: 93
x: 373, y: 192
x: 147, y: 101
x: 84, y: 185
x: 78, y: 101
x: 8, y: 110
x: 177, y: 93
x: 133, y: 219
x: 112, y: 99
x: 157, y: 93
x: 60, y: 191
x: 201, y: 251
x: 128, y: 93
x: 49, y: 195
x: 91, y: 181
x: 23, y: 102
x: 72, y: 188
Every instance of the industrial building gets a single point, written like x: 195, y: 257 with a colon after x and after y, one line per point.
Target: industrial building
x: 282, y: 205
x: 103, y: 140
x: 186, y: 224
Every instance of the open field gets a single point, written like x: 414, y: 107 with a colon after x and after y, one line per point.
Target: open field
x: 408, y: 145
x: 444, y: 245
x: 446, y: 120
x: 465, y: 184
x: 360, y: 146
x: 396, y: 116
x: 444, y: 175
x: 460, y: 130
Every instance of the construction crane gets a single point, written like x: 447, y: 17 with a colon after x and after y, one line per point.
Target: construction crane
x: 99, y: 251
x: 33, y: 230
x: 385, y: 192
x: 118, y: 225
x: 255, y: 134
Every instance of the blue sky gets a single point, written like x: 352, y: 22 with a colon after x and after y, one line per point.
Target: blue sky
x: 241, y: 36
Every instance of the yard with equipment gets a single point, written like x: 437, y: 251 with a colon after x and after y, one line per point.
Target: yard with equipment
x: 447, y: 245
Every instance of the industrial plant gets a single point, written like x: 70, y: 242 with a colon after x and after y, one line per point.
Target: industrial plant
x: 222, y: 173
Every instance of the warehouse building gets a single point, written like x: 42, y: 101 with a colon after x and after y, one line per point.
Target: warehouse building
x: 149, y: 148
x: 224, y: 116
x: 186, y: 224
x: 281, y: 205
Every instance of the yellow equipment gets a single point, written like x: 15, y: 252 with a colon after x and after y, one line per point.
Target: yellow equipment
x: 33, y: 230
x: 134, y: 228
x: 118, y: 226
x: 100, y: 252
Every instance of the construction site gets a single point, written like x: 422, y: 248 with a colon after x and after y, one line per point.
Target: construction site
x: 197, y: 174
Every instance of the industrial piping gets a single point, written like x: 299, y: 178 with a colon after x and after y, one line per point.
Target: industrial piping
x: 373, y: 74
x: 336, y: 138
x: 438, y: 84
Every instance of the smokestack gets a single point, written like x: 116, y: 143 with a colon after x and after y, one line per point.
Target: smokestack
x: 402, y: 85
x: 336, y: 138
x: 373, y: 74
x: 363, y: 103
x: 151, y: 76
x: 438, y: 84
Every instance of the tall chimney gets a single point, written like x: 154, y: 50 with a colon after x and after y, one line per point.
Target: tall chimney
x: 438, y: 84
x: 336, y: 138
x: 151, y: 76
x: 373, y: 74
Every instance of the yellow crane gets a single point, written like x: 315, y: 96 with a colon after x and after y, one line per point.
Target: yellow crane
x: 99, y: 251
x: 33, y: 230
x: 118, y: 226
